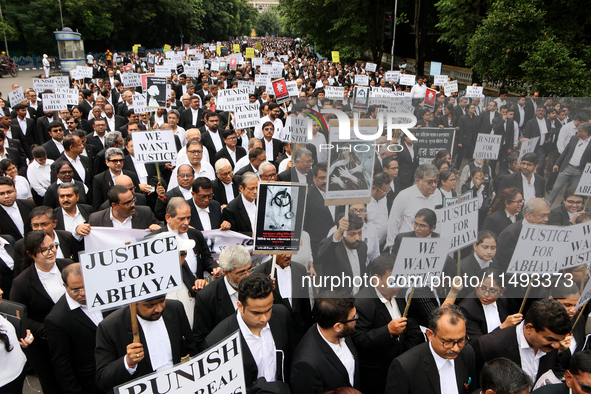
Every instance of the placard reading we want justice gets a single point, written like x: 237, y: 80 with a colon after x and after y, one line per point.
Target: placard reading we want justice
x: 154, y: 146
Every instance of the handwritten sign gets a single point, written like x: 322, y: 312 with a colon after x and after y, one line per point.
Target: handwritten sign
x: 487, y: 146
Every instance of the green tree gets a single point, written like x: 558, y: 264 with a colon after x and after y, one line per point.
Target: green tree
x: 269, y: 22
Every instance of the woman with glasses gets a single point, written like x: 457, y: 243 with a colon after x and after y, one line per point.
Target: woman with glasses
x: 447, y: 185
x: 39, y: 287
x: 485, y: 309
x: 21, y: 185
x: 506, y: 210
x: 570, y: 209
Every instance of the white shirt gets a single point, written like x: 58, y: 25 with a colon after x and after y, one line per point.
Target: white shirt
x: 344, y: 354
x: 39, y: 176
x: 102, y: 139
x: 377, y: 214
x: 530, y: 360
x: 411, y: 151
x: 203, y: 217
x: 95, y: 317
x: 418, y: 91
x: 512, y: 218
x: 111, y: 124
x: 575, y: 160
x: 216, y: 138
x: 284, y: 282
x: 483, y: 264
x: 566, y: 133
x: 491, y: 314
x: 278, y: 134
x: 15, y: 215
x: 78, y: 166
x: 190, y: 259
x: 7, y: 258
x: 229, y: 191
x: 529, y: 190
x: 391, y: 305
x: 232, y: 292
x: 52, y: 282
x: 158, y: 343
x: 186, y: 193
x: 521, y: 114
x: 302, y: 178
x: 70, y: 223
x: 251, y: 210
x: 240, y: 164
x: 23, y: 189
x: 232, y: 154
x: 194, y: 116
x: 59, y: 146
x: 269, y: 150
x: 23, y: 123
x: 140, y: 170
x: 447, y: 373
x: 543, y: 129
x: 262, y: 348
x: 14, y: 361
x: 404, y: 208
x: 284, y: 163
x: 117, y: 224
x: 205, y: 170
x: 182, y: 134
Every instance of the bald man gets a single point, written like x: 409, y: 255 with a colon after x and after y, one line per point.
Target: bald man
x: 126, y: 181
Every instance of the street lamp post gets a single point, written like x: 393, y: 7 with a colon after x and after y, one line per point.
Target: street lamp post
x: 61, y: 16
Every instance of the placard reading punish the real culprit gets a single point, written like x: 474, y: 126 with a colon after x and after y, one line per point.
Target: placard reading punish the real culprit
x: 247, y: 115
x: 229, y: 98
x: 334, y: 92
x: 120, y: 275
x: 154, y: 146
x: 487, y: 146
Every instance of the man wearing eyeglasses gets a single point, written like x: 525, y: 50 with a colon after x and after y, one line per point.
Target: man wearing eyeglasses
x: 577, y: 377
x: 71, y: 335
x: 219, y: 299
x: 230, y: 151
x: 55, y: 146
x: 301, y: 172
x: 206, y: 213
x: 533, y: 344
x: 103, y: 181
x: 195, y: 157
x: 528, y: 181
x: 443, y: 365
x: 225, y: 187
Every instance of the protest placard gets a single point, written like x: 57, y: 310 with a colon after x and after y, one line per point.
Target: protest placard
x: 139, y: 100
x: 270, y: 54
x: 380, y: 92
x: 334, y: 92
x: 131, y: 80
x: 292, y: 88
x: 249, y: 53
x: 392, y: 76
x: 61, y: 82
x: 262, y: 80
x: 162, y: 71
x: 280, y: 217
x: 372, y: 67
x: 156, y: 92
x: 257, y: 62
x: 528, y: 147
x: 418, y: 260
x: 362, y: 80
x: 449, y: 201
x: 76, y: 75
x: 16, y: 96
x: 440, y: 80
x: 584, y: 186
x: 55, y: 102
x: 431, y: 140
x: 123, y: 274
x: 460, y: 223
x: 430, y: 98
x: 585, y: 296
x: 236, y: 48
x: 360, y: 98
x: 85, y: 72
x: 193, y: 71
x: 218, y: 369
x: 259, y: 46
x: 266, y: 68
x: 247, y: 115
x: 487, y: 146
x: 407, y: 79
x: 336, y: 58
x: 229, y: 98
x: 154, y: 146
x: 41, y: 85
x: 297, y: 129
x: 450, y: 87
x: 540, y: 249
x: 71, y: 95
x: 248, y: 85
x: 435, y: 68
x: 579, y: 251
x: 474, y: 91
x: 233, y: 63
x: 280, y: 90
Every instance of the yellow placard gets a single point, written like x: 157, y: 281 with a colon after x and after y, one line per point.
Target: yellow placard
x: 236, y: 48
x: 135, y: 47
x: 218, y: 49
x: 259, y: 46
x: 249, y: 53
x: 336, y: 58
x: 253, y: 33
x: 166, y: 48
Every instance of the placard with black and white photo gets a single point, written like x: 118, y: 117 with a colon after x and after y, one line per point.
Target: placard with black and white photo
x: 156, y: 91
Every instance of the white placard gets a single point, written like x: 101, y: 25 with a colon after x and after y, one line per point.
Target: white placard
x: 419, y: 258
x: 139, y: 100
x: 474, y: 91
x: 41, y: 85
x: 170, y: 64
x: 460, y: 223
x: 215, y: 65
x: 540, y: 249
x: 227, y: 99
x: 334, y: 92
x: 212, y: 48
x: 371, y: 67
x: 450, y: 87
x: 247, y: 115
x: 297, y: 129
x: 132, y: 80
x: 85, y: 72
x: 55, y: 102
x: 487, y: 146
x: 178, y: 58
x: 584, y: 186
x: 61, y: 82
x: 407, y: 79
x: 392, y: 76
x: 585, y: 296
x: 154, y: 146
x: 440, y: 80
x: 251, y: 86
x: 361, y: 80
x: 380, y: 92
x: 262, y: 80
x: 257, y: 61
x: 71, y: 94
x: 191, y: 71
x: 270, y: 54
x: 528, y: 147
x: 16, y: 96
x: 123, y: 274
x: 162, y: 71
x: 292, y: 88
x: 218, y: 369
x: 278, y: 65
x: 275, y: 73
x: 266, y: 68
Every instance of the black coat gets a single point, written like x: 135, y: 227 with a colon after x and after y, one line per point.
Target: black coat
x: 219, y: 191
x: 290, y: 175
x: 71, y: 337
x: 391, y: 196
x: 141, y: 219
x: 186, y: 120
x: 507, y: 241
x: 476, y: 320
x: 115, y: 333
x: 277, y: 150
x: 532, y: 130
x: 31, y: 137
x: 485, y: 126
x: 377, y: 348
x: 559, y: 217
x: 516, y: 180
x: 235, y: 213
x: 498, y: 221
x: 7, y: 226
x: 17, y: 134
x: 215, y: 215
x: 85, y: 211
x: 567, y: 154
x: 68, y: 245
x: 160, y: 206
x: 334, y: 261
x: 85, y: 163
x: 468, y: 129
x: 14, y: 156
x: 7, y: 273
x: 102, y: 182
x: 207, y: 141
x: 316, y: 368
x: 51, y: 198
x: 224, y: 154
x: 407, y: 165
x: 212, y: 305
x: 279, y: 325
x: 416, y: 372
x: 318, y: 220
x: 51, y: 149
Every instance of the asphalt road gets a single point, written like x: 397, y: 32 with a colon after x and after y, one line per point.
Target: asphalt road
x: 24, y: 79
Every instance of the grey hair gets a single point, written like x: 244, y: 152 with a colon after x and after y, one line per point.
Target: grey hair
x: 69, y: 185
x: 111, y: 138
x: 453, y: 310
x: 263, y: 165
x: 174, y: 204
x: 113, y: 152
x: 100, y: 97
x: 73, y: 269
x: 533, y: 203
x: 175, y: 112
x: 221, y: 163
x: 247, y: 177
x: 426, y: 169
x: 302, y: 151
x: 234, y: 257
x: 253, y: 141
